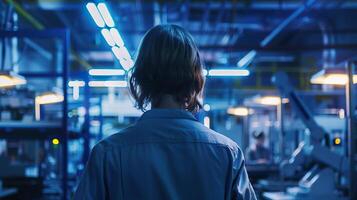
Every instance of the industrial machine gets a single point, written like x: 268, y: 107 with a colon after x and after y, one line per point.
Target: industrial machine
x: 320, y: 181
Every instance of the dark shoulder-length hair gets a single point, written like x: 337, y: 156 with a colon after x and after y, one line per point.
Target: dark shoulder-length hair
x: 168, y: 63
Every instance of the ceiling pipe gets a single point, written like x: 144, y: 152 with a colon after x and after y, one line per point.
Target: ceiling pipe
x: 269, y: 38
x: 286, y: 22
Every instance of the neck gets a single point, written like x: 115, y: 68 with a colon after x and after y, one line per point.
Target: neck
x: 167, y: 102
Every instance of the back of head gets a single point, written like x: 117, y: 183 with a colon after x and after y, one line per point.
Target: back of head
x: 168, y: 63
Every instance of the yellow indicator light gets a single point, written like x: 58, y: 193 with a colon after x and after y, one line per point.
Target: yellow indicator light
x: 55, y: 141
x: 337, y: 141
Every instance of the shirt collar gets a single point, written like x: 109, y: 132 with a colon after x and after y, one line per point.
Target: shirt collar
x: 159, y: 113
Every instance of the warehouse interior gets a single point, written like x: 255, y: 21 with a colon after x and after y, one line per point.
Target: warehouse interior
x: 279, y: 73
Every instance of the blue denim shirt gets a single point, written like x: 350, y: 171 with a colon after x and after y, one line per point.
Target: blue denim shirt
x: 167, y: 154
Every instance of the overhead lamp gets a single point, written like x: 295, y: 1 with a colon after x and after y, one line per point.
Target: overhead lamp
x: 106, y: 72
x: 102, y: 17
x: 108, y: 84
x: 247, y: 59
x: 270, y: 100
x: 94, y: 12
x: 49, y: 98
x: 331, y: 76
x: 46, y: 98
x: 102, y: 7
x: 117, y: 37
x: 228, y: 72
x: 108, y: 37
x: 238, y: 111
x: 55, y: 141
x: 10, y: 79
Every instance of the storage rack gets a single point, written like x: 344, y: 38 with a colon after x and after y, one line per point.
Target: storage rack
x: 59, y: 130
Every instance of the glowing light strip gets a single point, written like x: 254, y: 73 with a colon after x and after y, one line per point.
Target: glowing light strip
x: 93, y: 11
x: 102, y: 17
x: 126, y: 64
x: 49, y: 98
x: 228, y: 72
x: 117, y: 37
x: 247, y: 59
x: 108, y: 37
x: 108, y: 84
x: 239, y: 111
x: 106, y: 72
x: 76, y: 83
x: 102, y: 7
x: 121, y: 53
x: 11, y: 80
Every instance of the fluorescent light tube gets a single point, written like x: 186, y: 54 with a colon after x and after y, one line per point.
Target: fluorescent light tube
x: 332, y: 77
x: 108, y: 84
x: 238, y: 111
x: 108, y: 37
x: 228, y: 72
x: 247, y: 59
x: 106, y: 72
x: 121, y: 53
x: 93, y: 11
x: 116, y: 37
x: 126, y: 64
x: 106, y: 14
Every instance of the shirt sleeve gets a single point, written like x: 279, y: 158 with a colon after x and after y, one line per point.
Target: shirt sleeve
x: 242, y: 188
x: 92, y: 183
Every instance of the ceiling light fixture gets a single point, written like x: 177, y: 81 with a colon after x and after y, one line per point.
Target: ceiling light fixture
x: 106, y: 72
x: 103, y: 9
x: 120, y: 84
x: 332, y: 76
x: 10, y: 79
x: 102, y: 18
x: 247, y: 59
x: 228, y: 72
x: 46, y: 98
x: 93, y: 11
x: 108, y: 37
x: 117, y: 37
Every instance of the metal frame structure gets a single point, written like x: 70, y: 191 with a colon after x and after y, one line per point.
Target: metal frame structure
x: 351, y: 130
x: 64, y: 36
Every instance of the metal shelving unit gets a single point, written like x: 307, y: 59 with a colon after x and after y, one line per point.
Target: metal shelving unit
x: 41, y: 130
